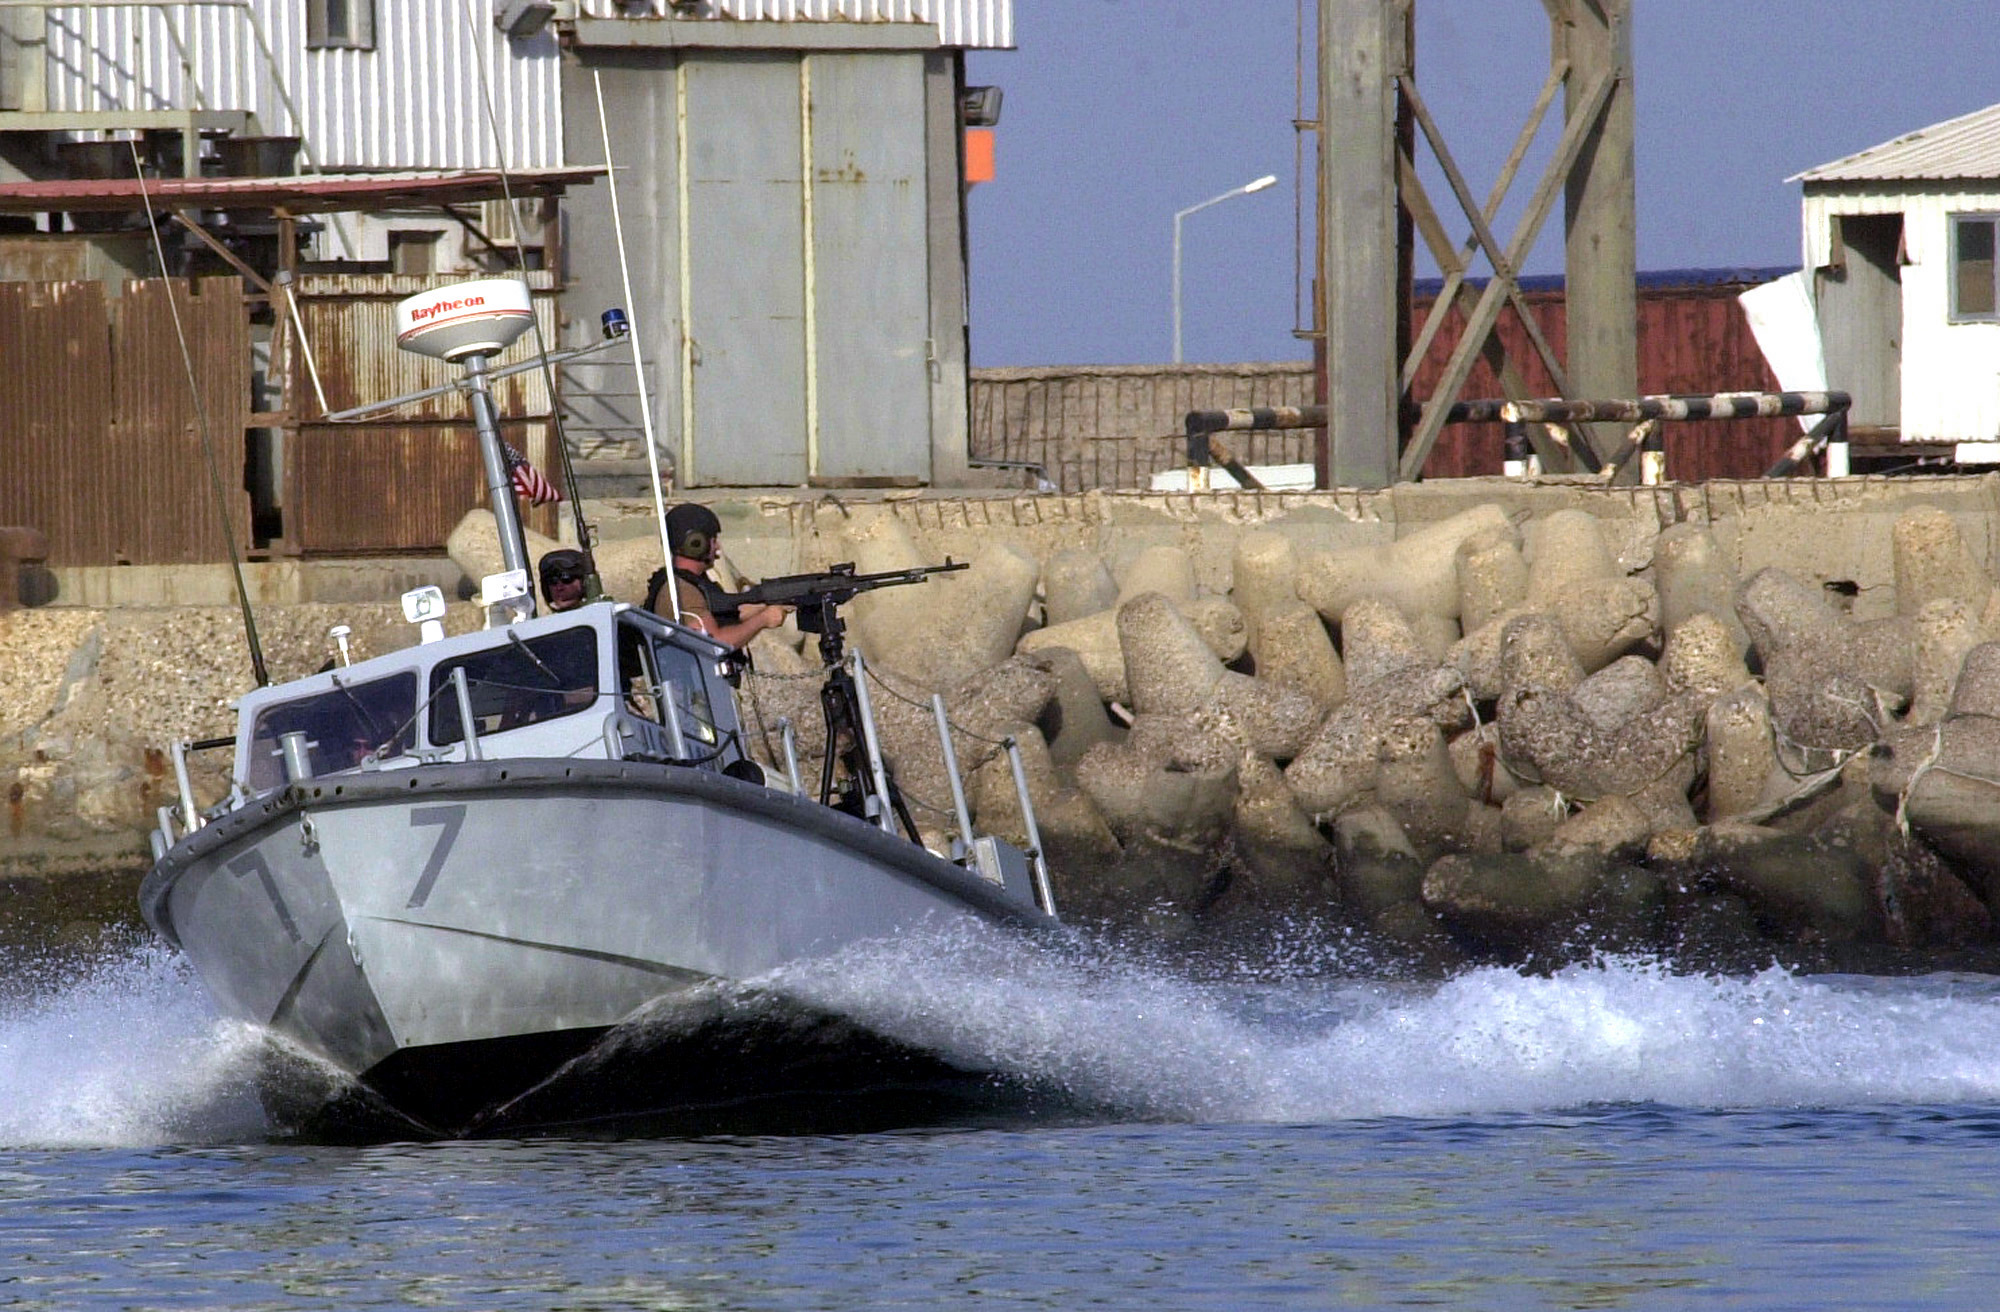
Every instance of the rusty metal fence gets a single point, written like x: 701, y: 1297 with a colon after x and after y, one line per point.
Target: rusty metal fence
x: 400, y: 484
x: 1108, y: 426
x: 100, y: 437
x: 1091, y: 427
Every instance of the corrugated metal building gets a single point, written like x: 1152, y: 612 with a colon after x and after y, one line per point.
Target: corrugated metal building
x: 114, y: 470
x: 794, y: 209
x: 1901, y: 241
x: 793, y: 202
x: 410, y: 91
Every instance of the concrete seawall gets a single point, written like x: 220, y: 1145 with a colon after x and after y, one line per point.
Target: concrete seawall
x: 1470, y: 719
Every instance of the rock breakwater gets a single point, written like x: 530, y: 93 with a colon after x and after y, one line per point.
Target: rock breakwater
x: 1503, y: 730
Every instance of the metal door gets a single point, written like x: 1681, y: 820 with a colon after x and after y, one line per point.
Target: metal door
x: 1861, y: 320
x: 744, y: 363
x: 870, y: 315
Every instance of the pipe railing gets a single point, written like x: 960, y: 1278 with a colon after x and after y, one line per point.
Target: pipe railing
x: 1645, y: 413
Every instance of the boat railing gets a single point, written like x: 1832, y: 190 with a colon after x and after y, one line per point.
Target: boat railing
x: 1037, y: 861
x: 176, y: 821
x: 985, y: 854
x: 788, y: 738
x: 883, y: 813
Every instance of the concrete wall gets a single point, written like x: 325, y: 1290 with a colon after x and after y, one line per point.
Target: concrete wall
x: 1835, y: 532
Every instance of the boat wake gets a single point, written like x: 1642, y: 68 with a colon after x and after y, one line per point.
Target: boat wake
x: 1300, y: 1044
x: 979, y: 1025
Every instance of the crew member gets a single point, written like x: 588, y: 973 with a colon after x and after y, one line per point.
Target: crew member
x: 695, y: 535
x: 565, y: 576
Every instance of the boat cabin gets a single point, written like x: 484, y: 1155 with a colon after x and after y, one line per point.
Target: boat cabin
x: 607, y: 681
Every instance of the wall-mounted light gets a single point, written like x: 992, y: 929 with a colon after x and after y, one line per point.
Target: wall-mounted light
x: 979, y: 107
x: 522, y: 19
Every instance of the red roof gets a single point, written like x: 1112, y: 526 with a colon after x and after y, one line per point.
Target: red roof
x: 307, y: 194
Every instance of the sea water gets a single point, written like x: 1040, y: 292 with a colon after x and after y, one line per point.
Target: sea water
x: 1299, y: 1130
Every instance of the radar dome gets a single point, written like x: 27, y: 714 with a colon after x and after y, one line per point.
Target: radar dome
x: 482, y: 317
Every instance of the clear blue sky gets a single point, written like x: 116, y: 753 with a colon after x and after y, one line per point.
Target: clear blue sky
x: 1120, y: 112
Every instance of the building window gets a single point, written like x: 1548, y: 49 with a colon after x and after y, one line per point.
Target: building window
x: 413, y: 251
x: 340, y: 24
x: 1974, y: 295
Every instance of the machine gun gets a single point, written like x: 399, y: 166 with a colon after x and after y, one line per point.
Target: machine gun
x: 818, y: 595
x: 817, y: 599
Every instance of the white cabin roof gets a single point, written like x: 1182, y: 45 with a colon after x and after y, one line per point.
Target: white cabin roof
x: 1966, y: 147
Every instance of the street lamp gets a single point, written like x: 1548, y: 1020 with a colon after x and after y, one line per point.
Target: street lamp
x: 1268, y: 180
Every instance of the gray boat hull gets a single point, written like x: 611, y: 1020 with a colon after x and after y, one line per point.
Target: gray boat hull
x: 450, y: 934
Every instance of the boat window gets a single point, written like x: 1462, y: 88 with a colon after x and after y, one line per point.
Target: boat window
x: 687, y: 683
x: 524, y: 682
x: 637, y: 676
x: 342, y: 727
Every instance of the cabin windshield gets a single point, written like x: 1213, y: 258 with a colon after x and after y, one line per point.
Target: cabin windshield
x: 526, y: 681
x: 343, y: 727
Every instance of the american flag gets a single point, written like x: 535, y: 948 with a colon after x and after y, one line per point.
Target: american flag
x: 530, y: 482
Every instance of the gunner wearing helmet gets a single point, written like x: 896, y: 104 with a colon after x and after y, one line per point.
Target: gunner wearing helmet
x: 565, y: 579
x: 695, y: 535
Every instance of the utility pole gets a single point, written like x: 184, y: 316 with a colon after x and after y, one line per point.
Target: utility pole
x: 1364, y: 48
x: 1600, y: 210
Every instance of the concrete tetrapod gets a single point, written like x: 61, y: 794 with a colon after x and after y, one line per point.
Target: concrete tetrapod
x: 1280, y: 865
x: 1945, y: 630
x: 1575, y: 581
x: 1171, y: 671
x: 1573, y: 575
x: 984, y: 709
x: 1832, y: 682
x: 1492, y: 576
x: 1343, y: 760
x: 1162, y: 569
x: 1077, y: 721
x: 1545, y: 729
x: 1693, y: 578
x: 1418, y: 573
x: 1295, y: 651
x: 1263, y: 575
x: 474, y: 546
x: 1168, y: 794
x: 1094, y: 639
x: 1082, y: 854
x: 948, y: 628
x: 1076, y: 583
x: 1944, y: 779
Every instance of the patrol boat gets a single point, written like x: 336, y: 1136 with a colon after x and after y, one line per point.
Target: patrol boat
x: 447, y: 874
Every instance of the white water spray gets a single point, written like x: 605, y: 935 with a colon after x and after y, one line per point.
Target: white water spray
x: 125, y: 1051
x: 1490, y: 1041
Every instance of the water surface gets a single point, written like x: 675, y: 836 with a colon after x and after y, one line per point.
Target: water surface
x: 1299, y: 1135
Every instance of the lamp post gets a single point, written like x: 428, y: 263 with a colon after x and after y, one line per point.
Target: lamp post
x: 1268, y: 180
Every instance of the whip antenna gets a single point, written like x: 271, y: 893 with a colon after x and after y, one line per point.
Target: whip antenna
x: 201, y: 422
x: 638, y: 362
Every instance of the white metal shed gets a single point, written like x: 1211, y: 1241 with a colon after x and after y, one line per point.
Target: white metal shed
x: 1903, y: 242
